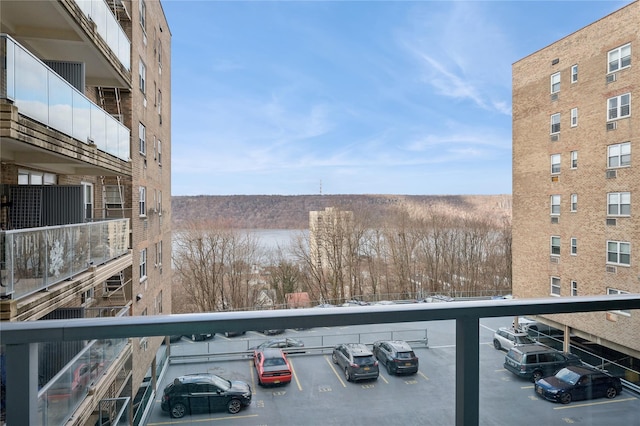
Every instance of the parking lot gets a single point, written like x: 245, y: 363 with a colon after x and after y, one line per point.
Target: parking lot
x: 319, y: 393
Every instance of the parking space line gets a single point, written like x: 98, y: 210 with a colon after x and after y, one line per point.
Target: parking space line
x: 527, y: 387
x: 326, y: 358
x: 212, y: 419
x: 253, y: 377
x: 590, y: 404
x: 383, y: 378
x: 295, y: 376
x: 423, y: 375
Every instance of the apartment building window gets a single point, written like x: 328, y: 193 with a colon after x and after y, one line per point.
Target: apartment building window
x: 555, y: 286
x: 158, y: 303
x: 619, y: 107
x: 29, y: 177
x: 142, y: 204
x: 142, y: 138
x: 555, y: 205
x: 619, y: 155
x: 555, y: 163
x: 614, y: 291
x: 574, y: 159
x: 555, y: 83
x: 142, y: 9
x: 620, y: 58
x: 159, y: 206
x: 574, y: 202
x: 574, y: 246
x: 87, y: 197
x: 574, y: 74
x: 574, y: 288
x: 574, y: 117
x: 160, y: 54
x: 619, y: 253
x: 142, y: 73
x: 143, y: 264
x: 619, y: 204
x: 555, y: 123
x: 160, y: 105
x: 159, y: 152
x: 87, y: 297
x: 555, y: 246
x: 158, y: 262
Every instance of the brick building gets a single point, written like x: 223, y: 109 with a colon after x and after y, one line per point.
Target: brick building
x: 85, y: 181
x: 576, y: 176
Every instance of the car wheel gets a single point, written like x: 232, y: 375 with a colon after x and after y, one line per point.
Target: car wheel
x: 234, y: 406
x: 178, y: 410
x: 334, y: 358
x: 537, y: 375
x: 389, y: 369
x: 565, y: 398
x: 611, y: 392
x: 496, y: 344
x: 347, y: 375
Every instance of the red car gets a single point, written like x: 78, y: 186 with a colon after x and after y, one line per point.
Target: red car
x: 272, y: 366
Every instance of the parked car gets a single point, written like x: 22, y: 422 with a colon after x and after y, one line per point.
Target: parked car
x: 506, y: 338
x: 199, y: 337
x: 233, y: 333
x: 536, y: 361
x: 272, y: 366
x: 578, y: 382
x: 273, y: 332
x: 356, y: 360
x: 204, y: 393
x: 288, y: 344
x: 396, y: 355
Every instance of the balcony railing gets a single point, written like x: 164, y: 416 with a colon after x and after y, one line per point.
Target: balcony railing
x: 21, y: 339
x: 36, y: 258
x: 61, y: 396
x: 44, y: 96
x: 109, y: 29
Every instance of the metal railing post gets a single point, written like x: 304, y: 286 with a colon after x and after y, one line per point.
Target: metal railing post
x: 467, y: 371
x: 22, y: 384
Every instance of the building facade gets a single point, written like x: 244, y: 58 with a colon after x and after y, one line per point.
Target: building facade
x: 85, y: 181
x: 576, y: 175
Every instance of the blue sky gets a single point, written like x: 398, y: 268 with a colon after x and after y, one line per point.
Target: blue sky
x: 352, y: 97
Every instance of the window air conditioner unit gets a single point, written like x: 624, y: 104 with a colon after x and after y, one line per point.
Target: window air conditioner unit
x: 612, y: 269
x: 611, y: 222
x: 612, y: 77
x: 554, y: 97
x: 555, y: 219
x: 555, y: 137
x: 554, y: 259
x: 612, y: 126
x: 612, y: 174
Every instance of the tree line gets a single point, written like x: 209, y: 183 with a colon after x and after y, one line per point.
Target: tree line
x: 351, y: 256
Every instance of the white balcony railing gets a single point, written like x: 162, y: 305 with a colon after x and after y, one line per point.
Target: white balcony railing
x: 36, y: 258
x: 20, y: 339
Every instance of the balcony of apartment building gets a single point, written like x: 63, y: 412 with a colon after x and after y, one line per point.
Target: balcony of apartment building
x: 25, y: 404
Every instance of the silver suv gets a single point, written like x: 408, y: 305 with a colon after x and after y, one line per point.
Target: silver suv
x: 356, y: 360
x: 506, y: 338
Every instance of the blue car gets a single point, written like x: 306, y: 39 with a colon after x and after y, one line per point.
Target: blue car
x: 578, y: 382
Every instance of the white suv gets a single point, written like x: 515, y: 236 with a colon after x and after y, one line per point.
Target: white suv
x: 506, y: 338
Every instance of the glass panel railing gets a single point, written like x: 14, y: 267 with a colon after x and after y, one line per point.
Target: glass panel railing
x: 109, y: 29
x: 34, y: 259
x: 61, y: 396
x: 41, y: 94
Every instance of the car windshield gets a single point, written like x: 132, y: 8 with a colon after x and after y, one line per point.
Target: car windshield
x: 364, y: 360
x: 223, y: 384
x: 270, y: 362
x: 523, y: 340
x: 568, y: 376
x: 405, y: 355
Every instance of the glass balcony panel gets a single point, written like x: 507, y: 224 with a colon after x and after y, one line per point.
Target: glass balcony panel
x: 7, y: 83
x: 81, y: 117
x: 31, y: 86
x: 112, y: 135
x: 60, y: 104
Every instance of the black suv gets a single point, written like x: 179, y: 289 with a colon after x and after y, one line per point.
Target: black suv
x: 396, y: 355
x: 204, y: 393
x: 356, y: 360
x: 536, y: 361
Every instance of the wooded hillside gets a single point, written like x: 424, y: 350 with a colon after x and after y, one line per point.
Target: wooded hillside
x: 292, y: 211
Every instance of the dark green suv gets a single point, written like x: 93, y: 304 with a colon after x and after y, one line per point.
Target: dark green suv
x: 536, y: 361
